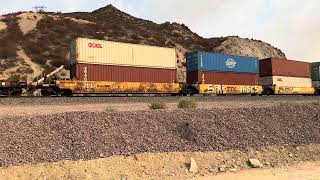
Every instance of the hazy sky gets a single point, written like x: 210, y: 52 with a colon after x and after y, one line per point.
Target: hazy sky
x: 291, y: 25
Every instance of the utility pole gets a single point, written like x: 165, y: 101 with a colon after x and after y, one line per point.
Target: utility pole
x: 40, y: 8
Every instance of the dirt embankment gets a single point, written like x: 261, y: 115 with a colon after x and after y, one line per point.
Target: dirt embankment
x: 89, y: 135
x: 36, y: 68
x: 3, y: 26
x: 227, y: 165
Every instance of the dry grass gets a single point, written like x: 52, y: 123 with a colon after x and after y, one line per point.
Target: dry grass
x: 158, y: 105
x: 187, y: 103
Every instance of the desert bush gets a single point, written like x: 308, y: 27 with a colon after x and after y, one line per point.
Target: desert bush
x: 158, y: 105
x: 135, y: 37
x: 28, y: 70
x: 7, y: 52
x: 187, y: 103
x: 58, y: 62
x: 98, y: 36
x: 7, y: 63
x: 14, y: 77
x: 110, y: 109
x: 286, y: 104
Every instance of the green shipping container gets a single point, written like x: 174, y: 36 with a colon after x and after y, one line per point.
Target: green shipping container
x: 315, y: 71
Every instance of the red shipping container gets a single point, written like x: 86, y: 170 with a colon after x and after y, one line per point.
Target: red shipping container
x: 223, y: 78
x: 284, y: 67
x: 95, y: 72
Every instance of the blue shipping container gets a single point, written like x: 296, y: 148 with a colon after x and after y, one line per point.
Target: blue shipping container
x: 205, y: 61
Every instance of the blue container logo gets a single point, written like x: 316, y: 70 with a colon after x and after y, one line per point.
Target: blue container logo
x: 230, y: 63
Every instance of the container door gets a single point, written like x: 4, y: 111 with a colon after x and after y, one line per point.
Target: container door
x: 315, y: 73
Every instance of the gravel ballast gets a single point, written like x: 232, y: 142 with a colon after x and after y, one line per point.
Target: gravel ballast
x: 4, y: 101
x: 89, y: 135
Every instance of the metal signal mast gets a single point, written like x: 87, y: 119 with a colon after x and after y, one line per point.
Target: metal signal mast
x: 39, y: 8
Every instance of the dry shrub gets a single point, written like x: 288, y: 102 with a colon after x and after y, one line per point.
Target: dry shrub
x: 187, y: 103
x: 158, y: 105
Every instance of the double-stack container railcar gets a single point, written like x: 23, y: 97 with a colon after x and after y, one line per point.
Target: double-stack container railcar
x: 282, y: 76
x: 214, y: 73
x: 113, y: 67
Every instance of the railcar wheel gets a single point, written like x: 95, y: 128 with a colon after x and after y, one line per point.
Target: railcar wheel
x: 45, y: 92
x: 16, y: 92
x: 268, y: 92
x: 66, y: 93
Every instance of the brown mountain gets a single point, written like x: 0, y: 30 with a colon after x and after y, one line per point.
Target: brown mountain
x: 31, y: 43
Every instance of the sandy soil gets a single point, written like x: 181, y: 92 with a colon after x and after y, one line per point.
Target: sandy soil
x: 175, y: 166
x: 28, y: 110
x: 3, y: 26
x: 28, y: 21
x: 37, y: 70
x: 303, y: 171
x: 79, y: 21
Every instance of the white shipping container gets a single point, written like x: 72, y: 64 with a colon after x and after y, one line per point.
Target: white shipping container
x: 92, y: 51
x: 285, y: 81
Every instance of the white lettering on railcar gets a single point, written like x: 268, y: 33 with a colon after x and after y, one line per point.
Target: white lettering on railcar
x: 85, y: 74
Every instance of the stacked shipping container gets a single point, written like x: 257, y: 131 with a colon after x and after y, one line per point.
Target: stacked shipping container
x: 214, y: 68
x: 96, y: 60
x: 282, y: 72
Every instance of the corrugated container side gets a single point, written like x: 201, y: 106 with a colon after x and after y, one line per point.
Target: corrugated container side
x: 94, y: 72
x: 283, y: 67
x: 205, y: 61
x: 285, y: 81
x: 315, y: 71
x: 92, y: 51
x: 223, y: 78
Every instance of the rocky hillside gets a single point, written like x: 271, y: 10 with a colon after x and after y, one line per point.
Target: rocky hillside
x: 31, y: 43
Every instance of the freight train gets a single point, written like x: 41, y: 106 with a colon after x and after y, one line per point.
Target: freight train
x: 105, y: 67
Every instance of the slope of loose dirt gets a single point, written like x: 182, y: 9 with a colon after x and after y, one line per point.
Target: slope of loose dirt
x: 36, y: 68
x: 3, y: 26
x: 175, y: 165
x: 25, y: 66
x: 248, y: 47
x: 28, y: 21
x: 88, y: 135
